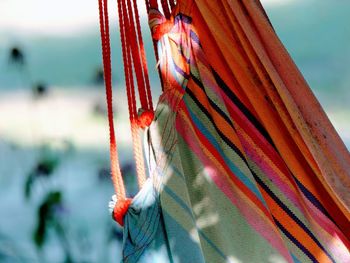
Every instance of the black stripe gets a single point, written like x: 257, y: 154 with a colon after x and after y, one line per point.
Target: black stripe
x: 237, y: 151
x: 218, y: 110
x: 243, y: 108
x: 295, y: 241
x: 222, y: 136
x: 313, y: 199
x: 291, y: 215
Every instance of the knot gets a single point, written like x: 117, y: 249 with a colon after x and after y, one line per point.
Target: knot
x: 145, y: 118
x: 160, y: 30
x: 120, y: 210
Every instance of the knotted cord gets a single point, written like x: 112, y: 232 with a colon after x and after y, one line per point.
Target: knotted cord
x: 135, y: 67
x: 134, y: 62
x: 106, y: 56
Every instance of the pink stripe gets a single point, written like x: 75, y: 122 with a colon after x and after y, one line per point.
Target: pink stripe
x: 204, y: 70
x: 325, y: 222
x: 207, y: 80
x: 334, y: 241
x: 270, y: 172
x: 322, y: 220
x: 317, y: 217
x: 237, y: 115
x: 263, y: 145
x: 254, y: 219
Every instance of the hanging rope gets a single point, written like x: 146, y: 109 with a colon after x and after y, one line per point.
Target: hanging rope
x: 135, y: 68
x: 143, y: 57
x: 133, y: 51
x: 106, y: 55
x: 154, y: 4
x: 134, y: 58
x: 141, y: 177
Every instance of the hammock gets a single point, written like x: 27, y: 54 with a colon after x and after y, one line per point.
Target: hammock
x: 243, y: 163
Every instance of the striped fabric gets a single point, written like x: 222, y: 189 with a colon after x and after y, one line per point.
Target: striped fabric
x: 234, y: 176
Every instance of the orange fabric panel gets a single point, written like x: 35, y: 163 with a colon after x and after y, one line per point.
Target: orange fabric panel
x: 242, y: 47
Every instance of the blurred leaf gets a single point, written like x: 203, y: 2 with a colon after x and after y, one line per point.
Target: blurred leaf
x: 130, y: 179
x: 40, y: 89
x: 68, y: 259
x: 116, y: 233
x: 16, y: 55
x: 43, y: 168
x: 104, y: 174
x: 46, y: 216
x: 53, y: 198
x: 128, y: 169
x: 100, y: 109
x: 28, y: 186
x: 98, y: 76
x: 40, y: 233
x: 46, y: 166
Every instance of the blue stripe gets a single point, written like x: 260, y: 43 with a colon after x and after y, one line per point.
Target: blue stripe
x: 204, y: 110
x: 195, y: 38
x: 183, y: 246
x: 180, y: 76
x: 212, y: 245
x: 243, y: 178
x: 180, y: 71
x: 180, y: 202
x: 295, y: 259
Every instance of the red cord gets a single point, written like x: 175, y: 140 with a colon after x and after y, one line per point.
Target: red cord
x: 134, y: 63
x: 143, y: 60
x: 131, y: 48
x: 127, y: 63
x: 106, y: 55
x: 120, y: 210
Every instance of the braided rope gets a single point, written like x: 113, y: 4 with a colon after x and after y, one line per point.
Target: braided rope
x: 107, y: 69
x: 144, y: 67
x: 135, y: 65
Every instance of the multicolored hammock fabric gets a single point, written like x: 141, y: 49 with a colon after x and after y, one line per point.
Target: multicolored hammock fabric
x: 244, y: 165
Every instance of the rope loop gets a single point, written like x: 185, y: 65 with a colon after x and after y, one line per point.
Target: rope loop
x: 135, y: 68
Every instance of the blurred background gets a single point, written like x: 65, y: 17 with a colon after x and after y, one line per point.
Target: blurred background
x: 54, y: 162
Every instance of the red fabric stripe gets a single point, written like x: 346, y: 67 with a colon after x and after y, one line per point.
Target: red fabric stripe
x: 217, y: 155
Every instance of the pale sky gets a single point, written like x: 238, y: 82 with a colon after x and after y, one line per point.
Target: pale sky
x: 60, y: 16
